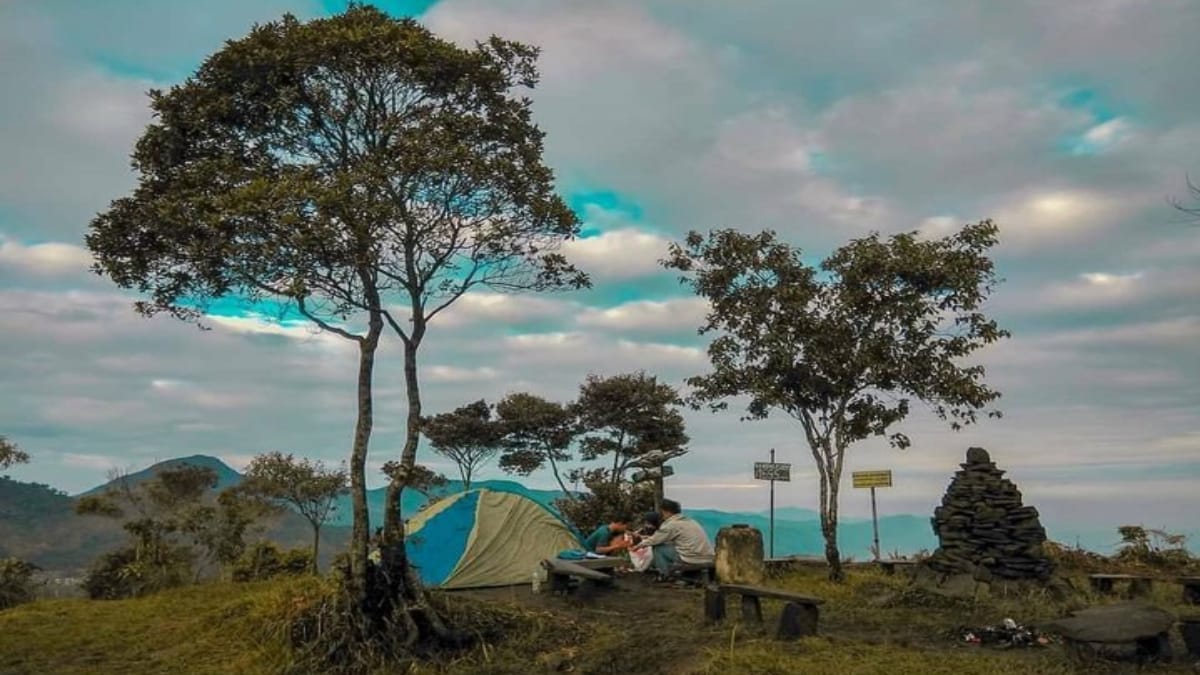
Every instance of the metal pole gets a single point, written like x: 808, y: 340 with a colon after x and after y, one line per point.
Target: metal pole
x: 772, y: 548
x: 875, y: 523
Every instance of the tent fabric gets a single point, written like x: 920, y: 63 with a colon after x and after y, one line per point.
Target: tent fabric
x: 484, y: 538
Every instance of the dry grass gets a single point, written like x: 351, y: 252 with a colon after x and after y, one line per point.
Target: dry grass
x: 870, y: 624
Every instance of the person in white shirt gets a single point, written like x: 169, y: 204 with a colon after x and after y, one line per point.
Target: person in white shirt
x: 678, y: 539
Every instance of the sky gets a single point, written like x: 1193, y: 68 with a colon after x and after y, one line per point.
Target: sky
x: 1071, y: 124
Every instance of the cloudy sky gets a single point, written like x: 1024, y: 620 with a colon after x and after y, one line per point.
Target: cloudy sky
x: 1069, y: 123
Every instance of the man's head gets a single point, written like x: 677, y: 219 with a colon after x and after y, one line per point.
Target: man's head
x: 670, y: 507
x: 620, y: 523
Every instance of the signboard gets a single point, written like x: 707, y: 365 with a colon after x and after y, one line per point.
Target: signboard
x: 772, y: 471
x: 872, y: 479
x: 651, y: 474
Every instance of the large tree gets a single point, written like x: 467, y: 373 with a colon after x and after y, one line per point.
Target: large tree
x: 467, y: 436
x: 623, y: 417
x: 361, y: 172
x: 536, y: 433
x: 10, y: 454
x: 844, y: 348
x: 308, y: 487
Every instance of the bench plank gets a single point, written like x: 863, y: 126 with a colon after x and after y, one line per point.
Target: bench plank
x: 772, y: 593
x: 570, y: 568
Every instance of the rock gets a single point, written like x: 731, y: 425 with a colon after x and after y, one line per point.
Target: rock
x: 1127, y: 631
x: 982, y: 522
x: 739, y: 555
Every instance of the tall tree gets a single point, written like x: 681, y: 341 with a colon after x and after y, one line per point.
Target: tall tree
x: 10, y: 454
x: 361, y: 172
x: 537, y: 433
x: 308, y: 487
x: 845, y: 348
x: 467, y: 436
x: 626, y: 416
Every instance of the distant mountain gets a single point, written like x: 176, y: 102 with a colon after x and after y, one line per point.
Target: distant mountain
x: 226, y: 476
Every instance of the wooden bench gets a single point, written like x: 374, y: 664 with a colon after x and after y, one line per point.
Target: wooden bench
x: 889, y: 567
x: 704, y: 573
x: 590, y: 573
x: 1191, y: 590
x: 1138, y: 584
x: 799, y: 617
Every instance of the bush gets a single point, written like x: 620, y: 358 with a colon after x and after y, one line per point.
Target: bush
x: 125, y: 574
x: 16, y: 582
x: 265, y: 560
x: 605, y: 501
x: 1154, y: 549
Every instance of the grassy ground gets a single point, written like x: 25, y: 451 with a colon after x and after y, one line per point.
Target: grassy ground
x: 868, y: 625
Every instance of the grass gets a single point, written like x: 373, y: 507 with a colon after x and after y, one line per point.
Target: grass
x: 870, y: 624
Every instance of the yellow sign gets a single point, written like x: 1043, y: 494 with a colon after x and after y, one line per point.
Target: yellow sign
x: 872, y: 479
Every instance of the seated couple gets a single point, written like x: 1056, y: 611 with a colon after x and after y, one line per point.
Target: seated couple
x: 671, y: 537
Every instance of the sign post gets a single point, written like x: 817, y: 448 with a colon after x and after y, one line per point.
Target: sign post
x: 770, y: 471
x: 873, y: 479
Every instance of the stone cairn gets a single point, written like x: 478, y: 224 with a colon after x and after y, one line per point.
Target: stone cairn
x: 984, y: 530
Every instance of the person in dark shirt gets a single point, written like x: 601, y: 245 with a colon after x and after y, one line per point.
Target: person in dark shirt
x: 608, y: 539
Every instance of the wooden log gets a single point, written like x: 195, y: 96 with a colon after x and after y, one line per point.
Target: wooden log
x: 751, y: 610
x: 739, y: 555
x: 797, y: 621
x: 714, y: 605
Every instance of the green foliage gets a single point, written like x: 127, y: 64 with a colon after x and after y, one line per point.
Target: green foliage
x: 1153, y: 548
x: 135, y: 571
x: 467, y: 436
x: 844, y: 348
x: 537, y: 433
x: 10, y: 454
x: 604, y: 500
x: 625, y: 417
x: 16, y: 582
x: 306, y: 486
x: 265, y: 560
x: 356, y: 168
x: 171, y: 522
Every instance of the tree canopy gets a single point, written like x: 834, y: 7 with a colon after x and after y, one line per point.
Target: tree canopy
x: 467, y: 436
x: 624, y: 417
x: 537, y: 433
x: 10, y: 454
x: 357, y: 171
x: 308, y: 487
x: 844, y: 348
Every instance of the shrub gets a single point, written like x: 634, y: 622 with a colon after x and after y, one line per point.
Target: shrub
x: 604, y: 501
x: 125, y: 574
x: 16, y: 582
x: 1152, y: 548
x: 265, y: 560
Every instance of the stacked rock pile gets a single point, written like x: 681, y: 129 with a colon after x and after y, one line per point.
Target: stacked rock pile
x: 983, y: 528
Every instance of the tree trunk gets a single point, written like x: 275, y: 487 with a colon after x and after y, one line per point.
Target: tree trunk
x: 465, y: 472
x: 557, y: 477
x: 316, y: 551
x: 358, y: 457
x: 393, y: 523
x: 830, y: 472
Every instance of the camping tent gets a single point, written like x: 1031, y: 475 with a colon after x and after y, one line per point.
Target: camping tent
x: 484, y: 538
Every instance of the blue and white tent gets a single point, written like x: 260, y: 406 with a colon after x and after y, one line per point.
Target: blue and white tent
x: 484, y: 538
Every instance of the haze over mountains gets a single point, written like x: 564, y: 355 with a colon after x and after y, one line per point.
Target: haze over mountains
x: 37, y: 522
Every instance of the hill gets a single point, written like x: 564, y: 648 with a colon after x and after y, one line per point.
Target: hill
x: 226, y: 476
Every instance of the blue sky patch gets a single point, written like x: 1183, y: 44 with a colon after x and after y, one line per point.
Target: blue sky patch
x: 411, y: 8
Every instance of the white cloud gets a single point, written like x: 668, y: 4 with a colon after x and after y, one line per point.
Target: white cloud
x: 619, y: 254
x: 52, y: 259
x: 481, y: 306
x: 1096, y: 289
x: 1108, y: 134
x: 454, y: 374
x: 679, y: 314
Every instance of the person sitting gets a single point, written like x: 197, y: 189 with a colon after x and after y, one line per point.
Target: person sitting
x: 651, y: 520
x: 608, y: 539
x: 678, y: 539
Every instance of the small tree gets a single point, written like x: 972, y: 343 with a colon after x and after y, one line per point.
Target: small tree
x: 301, y: 484
x: 467, y: 436
x: 843, y: 349
x: 10, y: 454
x: 625, y: 417
x: 221, y: 529
x: 165, y: 518
x: 604, y: 500
x: 17, y: 584
x: 536, y: 433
